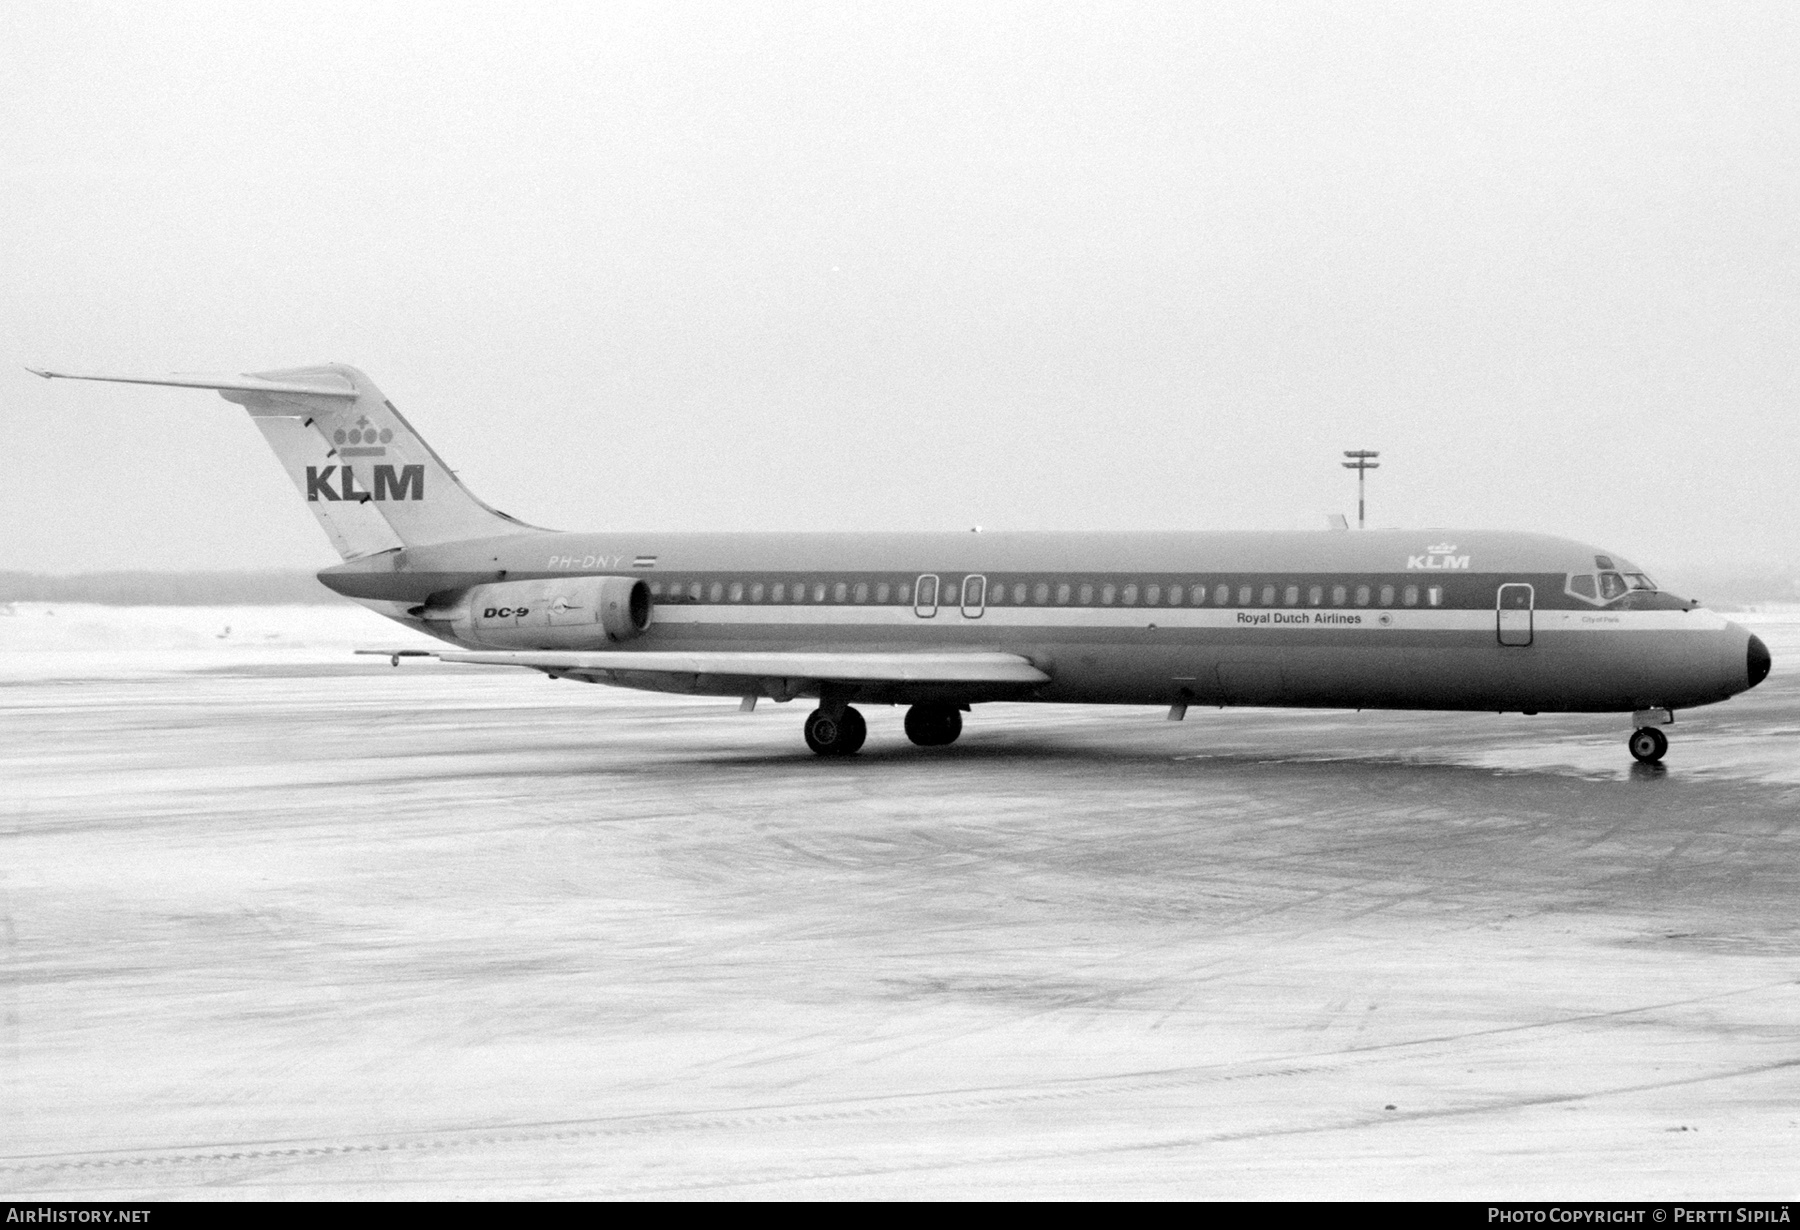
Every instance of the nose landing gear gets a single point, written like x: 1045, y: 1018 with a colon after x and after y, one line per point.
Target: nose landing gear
x: 842, y: 735
x: 1648, y: 745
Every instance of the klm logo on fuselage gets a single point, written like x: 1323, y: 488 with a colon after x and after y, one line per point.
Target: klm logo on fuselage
x: 341, y: 483
x: 1438, y: 558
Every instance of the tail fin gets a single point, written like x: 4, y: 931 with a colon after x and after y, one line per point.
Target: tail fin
x: 369, y: 478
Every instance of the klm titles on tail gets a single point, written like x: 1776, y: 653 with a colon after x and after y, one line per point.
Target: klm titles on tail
x: 408, y: 484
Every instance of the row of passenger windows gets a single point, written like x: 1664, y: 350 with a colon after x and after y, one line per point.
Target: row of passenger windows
x: 879, y: 592
x: 1048, y: 593
x: 1221, y: 594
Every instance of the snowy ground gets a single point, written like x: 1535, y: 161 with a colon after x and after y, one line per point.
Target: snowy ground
x: 47, y: 640
x: 277, y: 921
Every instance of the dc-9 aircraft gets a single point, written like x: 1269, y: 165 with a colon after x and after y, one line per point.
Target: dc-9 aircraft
x: 939, y: 622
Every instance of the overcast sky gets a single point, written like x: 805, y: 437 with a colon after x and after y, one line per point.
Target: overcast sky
x: 865, y: 266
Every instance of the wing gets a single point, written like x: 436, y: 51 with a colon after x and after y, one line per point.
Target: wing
x: 728, y: 673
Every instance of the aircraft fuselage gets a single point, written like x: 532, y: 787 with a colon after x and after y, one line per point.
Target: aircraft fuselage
x: 1380, y: 619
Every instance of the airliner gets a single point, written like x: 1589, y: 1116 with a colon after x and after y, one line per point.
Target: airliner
x: 941, y: 622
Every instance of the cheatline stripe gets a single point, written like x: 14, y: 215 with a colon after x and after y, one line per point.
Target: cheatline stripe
x: 1126, y: 618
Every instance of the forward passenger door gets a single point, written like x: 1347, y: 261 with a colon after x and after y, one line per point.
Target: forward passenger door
x: 1513, y: 614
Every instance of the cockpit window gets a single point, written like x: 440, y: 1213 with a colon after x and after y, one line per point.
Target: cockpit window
x: 1609, y: 586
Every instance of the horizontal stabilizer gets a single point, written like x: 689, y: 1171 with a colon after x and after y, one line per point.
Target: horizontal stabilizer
x: 324, y: 385
x: 837, y: 667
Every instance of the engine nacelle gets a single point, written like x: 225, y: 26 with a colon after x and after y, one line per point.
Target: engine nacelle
x: 562, y: 613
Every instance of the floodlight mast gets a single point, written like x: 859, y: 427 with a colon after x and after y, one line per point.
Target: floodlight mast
x: 1362, y: 465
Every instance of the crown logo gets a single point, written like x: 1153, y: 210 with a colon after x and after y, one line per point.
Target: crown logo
x: 1442, y: 548
x: 362, y: 432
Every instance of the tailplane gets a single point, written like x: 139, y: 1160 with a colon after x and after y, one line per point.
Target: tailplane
x: 369, y: 478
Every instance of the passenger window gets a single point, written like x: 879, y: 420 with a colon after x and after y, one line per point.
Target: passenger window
x: 903, y: 595
x: 1582, y: 586
x: 1019, y: 594
x: 882, y: 591
x: 694, y: 592
x: 819, y: 591
x: 1434, y: 596
x: 1040, y: 593
x: 1087, y: 595
x: 1174, y: 595
x: 1128, y: 595
x: 862, y: 591
x: 1612, y: 585
x: 840, y: 591
x: 1268, y: 597
x: 1315, y: 596
x: 1222, y: 595
x: 1387, y: 595
x: 756, y: 592
x: 952, y: 592
x: 1339, y: 595
x: 1106, y: 595
x: 1062, y: 594
x: 737, y: 591
x: 1291, y: 597
x: 1411, y: 596
x: 656, y: 589
x: 1243, y: 595
x: 1199, y: 594
x: 1152, y: 595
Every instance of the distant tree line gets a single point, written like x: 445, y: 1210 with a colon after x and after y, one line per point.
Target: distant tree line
x: 267, y: 588
x: 1726, y: 587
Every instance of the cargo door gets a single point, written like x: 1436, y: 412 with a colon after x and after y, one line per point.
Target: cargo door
x: 1513, y: 615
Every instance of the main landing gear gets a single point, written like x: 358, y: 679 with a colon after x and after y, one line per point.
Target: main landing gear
x: 1648, y: 745
x: 933, y: 725
x: 842, y: 735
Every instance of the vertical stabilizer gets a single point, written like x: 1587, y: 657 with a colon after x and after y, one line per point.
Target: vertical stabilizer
x: 367, y: 476
x: 367, y: 454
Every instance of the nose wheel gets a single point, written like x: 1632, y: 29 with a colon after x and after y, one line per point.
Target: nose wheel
x: 842, y: 735
x: 1648, y: 745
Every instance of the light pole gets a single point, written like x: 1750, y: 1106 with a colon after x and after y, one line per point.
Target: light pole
x: 1362, y: 465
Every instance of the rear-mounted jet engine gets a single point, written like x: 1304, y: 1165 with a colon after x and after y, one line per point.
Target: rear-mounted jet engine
x: 567, y: 612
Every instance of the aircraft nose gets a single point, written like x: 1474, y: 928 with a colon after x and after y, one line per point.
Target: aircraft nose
x: 1757, y: 660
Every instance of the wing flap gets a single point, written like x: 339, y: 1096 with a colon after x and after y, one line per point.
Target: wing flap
x: 836, y: 667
